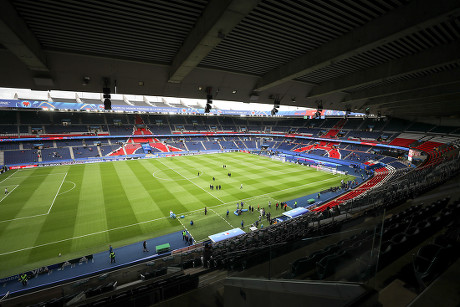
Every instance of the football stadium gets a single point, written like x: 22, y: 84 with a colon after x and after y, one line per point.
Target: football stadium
x: 230, y: 153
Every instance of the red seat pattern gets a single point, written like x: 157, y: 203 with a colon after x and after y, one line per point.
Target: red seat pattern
x: 118, y: 152
x: 172, y: 148
x: 304, y: 148
x: 160, y: 146
x: 132, y: 148
x: 331, y: 133
x: 428, y: 146
x: 334, y: 153
x: 402, y: 142
x: 336, y: 129
x: 154, y: 142
x: 379, y: 175
x: 142, y: 140
x: 139, y: 120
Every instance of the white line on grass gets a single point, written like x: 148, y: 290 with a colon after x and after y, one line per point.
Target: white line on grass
x: 186, y: 229
x: 30, y: 176
x: 23, y: 218
x: 8, y: 177
x: 253, y: 197
x: 82, y: 236
x: 8, y: 193
x: 222, y: 218
x: 169, y: 179
x: 32, y: 216
x: 193, y: 183
x: 126, y: 226
x: 74, y: 185
x: 183, y: 213
x: 57, y: 193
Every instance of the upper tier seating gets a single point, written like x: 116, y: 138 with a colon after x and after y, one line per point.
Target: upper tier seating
x: 20, y: 156
x: 52, y: 154
x: 9, y: 146
x: 85, y: 152
x: 120, y: 130
x: 228, y: 145
x: 195, y: 146
x: 286, y: 146
x: 367, y: 135
x: 211, y: 145
x: 57, y: 129
x: 396, y: 125
x: 352, y: 124
x: 7, y: 129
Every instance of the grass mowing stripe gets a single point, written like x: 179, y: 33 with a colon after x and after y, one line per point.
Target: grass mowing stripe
x: 205, y: 181
x: 9, y: 193
x: 57, y: 193
x: 190, y: 234
x: 13, y: 172
x: 89, y: 201
x: 31, y: 198
x: 58, y: 224
x: 221, y: 217
x: 158, y: 192
x: 79, y: 237
x: 118, y: 209
x: 85, y: 201
x: 194, y: 183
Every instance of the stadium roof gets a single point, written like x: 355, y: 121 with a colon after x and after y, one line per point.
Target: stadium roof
x: 398, y: 57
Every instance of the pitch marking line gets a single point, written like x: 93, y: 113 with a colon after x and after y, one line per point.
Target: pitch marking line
x: 9, y: 192
x: 183, y: 213
x: 188, y: 231
x: 8, y: 177
x: 23, y: 218
x: 126, y: 226
x: 38, y: 175
x: 222, y: 218
x: 74, y: 185
x: 194, y: 183
x: 57, y: 193
x: 253, y: 197
x: 83, y: 236
x: 32, y: 216
x: 169, y: 179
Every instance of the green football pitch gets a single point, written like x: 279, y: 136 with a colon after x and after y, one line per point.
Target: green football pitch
x: 80, y: 209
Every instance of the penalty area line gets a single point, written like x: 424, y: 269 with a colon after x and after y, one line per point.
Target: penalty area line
x: 80, y: 237
x: 194, y: 183
x: 14, y: 172
x: 57, y: 193
x: 8, y: 193
x: 188, y: 231
x: 74, y: 185
x: 222, y: 218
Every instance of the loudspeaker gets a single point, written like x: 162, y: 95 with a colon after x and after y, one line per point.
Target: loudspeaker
x: 107, y: 104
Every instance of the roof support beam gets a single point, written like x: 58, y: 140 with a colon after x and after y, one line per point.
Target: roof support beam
x: 217, y: 20
x: 405, y: 20
x: 433, y: 92
x: 17, y: 38
x: 430, y: 109
x: 418, y: 104
x: 431, y: 58
x: 437, y: 79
